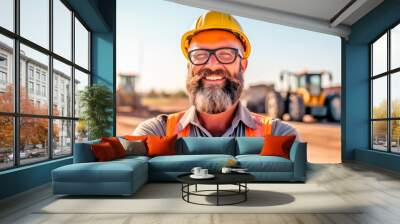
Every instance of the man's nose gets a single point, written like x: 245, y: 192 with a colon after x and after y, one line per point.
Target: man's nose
x: 213, y: 62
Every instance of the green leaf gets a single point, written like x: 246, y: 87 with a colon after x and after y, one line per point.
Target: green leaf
x: 96, y: 103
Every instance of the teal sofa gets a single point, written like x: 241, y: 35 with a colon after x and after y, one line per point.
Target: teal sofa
x: 125, y: 176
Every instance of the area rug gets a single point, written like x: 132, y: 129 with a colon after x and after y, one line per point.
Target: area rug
x: 167, y: 198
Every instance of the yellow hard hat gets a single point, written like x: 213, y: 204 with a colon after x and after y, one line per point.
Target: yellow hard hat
x: 216, y: 20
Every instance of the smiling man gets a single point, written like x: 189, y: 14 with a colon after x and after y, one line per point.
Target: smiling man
x: 217, y: 51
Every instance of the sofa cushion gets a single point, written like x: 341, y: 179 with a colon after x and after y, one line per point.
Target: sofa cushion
x: 161, y: 145
x: 132, y: 159
x: 133, y: 137
x: 111, y: 171
x: 277, y: 146
x: 249, y: 145
x: 206, y: 145
x: 257, y: 163
x: 103, y: 152
x: 83, y: 152
x: 185, y: 163
x: 116, y: 145
x: 134, y: 147
x: 93, y: 172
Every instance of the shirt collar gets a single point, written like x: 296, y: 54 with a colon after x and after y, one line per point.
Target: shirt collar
x: 242, y: 114
x: 245, y: 116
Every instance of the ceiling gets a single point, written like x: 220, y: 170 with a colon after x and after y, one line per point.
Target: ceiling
x: 333, y: 17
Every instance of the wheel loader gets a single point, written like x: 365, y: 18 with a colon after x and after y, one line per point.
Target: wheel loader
x: 303, y: 95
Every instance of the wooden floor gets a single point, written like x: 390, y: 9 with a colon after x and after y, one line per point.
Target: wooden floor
x: 378, y: 189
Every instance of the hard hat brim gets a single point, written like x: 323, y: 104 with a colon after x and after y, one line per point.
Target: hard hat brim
x: 186, y: 37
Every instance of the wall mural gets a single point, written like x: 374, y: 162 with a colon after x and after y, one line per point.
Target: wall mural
x: 226, y: 76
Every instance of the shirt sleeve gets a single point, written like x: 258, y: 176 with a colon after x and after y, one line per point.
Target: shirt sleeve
x: 152, y: 126
x: 282, y: 128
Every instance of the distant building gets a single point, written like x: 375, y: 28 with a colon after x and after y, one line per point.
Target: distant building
x: 34, y: 79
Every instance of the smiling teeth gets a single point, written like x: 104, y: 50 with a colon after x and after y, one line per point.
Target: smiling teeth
x: 214, y: 77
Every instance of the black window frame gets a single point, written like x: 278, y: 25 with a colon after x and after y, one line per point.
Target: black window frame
x: 388, y: 74
x: 16, y: 115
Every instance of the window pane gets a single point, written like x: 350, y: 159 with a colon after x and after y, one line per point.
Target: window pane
x: 62, y: 89
x: 35, y: 21
x: 62, y: 29
x: 81, y: 45
x: 34, y: 97
x: 6, y: 74
x: 33, y: 140
x: 395, y: 47
x: 379, y: 135
x: 62, y: 138
x: 395, y: 138
x: 379, y: 98
x: 7, y: 14
x: 395, y: 94
x: 6, y: 142
x: 81, y: 81
x: 81, y: 131
x: 379, y: 55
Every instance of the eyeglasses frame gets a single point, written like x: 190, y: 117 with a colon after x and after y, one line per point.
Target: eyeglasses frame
x: 212, y: 52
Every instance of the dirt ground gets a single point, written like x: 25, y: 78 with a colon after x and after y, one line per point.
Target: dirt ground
x: 324, y: 141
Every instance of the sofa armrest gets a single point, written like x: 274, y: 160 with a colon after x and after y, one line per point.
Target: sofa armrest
x: 298, y: 155
x: 83, y: 152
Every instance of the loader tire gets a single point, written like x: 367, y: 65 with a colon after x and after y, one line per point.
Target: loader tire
x: 296, y: 108
x: 334, y: 105
x: 274, y: 105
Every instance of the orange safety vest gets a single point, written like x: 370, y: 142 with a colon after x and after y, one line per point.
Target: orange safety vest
x: 263, y: 126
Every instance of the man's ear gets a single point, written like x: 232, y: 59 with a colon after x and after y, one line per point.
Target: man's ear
x: 243, y: 64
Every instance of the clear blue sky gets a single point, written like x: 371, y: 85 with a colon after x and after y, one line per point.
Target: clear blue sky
x: 148, y: 42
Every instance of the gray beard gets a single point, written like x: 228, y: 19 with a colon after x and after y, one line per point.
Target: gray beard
x: 214, y: 99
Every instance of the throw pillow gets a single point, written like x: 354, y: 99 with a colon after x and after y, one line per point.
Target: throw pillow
x: 161, y: 145
x: 133, y: 137
x: 116, y: 145
x: 134, y: 147
x: 277, y: 146
x: 103, y: 151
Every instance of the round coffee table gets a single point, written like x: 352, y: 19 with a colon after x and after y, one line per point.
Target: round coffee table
x: 238, y: 179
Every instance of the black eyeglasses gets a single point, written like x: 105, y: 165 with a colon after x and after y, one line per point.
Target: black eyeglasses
x: 225, y: 55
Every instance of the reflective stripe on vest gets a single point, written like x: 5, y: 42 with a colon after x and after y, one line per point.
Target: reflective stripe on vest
x: 263, y: 126
x: 172, y: 125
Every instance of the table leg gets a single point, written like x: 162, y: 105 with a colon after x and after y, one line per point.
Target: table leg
x: 188, y: 190
x: 217, y: 194
x: 182, y: 188
x: 245, y: 191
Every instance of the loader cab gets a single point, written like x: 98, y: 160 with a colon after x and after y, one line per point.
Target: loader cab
x: 312, y: 82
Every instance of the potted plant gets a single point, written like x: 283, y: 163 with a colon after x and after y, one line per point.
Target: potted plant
x: 96, y: 103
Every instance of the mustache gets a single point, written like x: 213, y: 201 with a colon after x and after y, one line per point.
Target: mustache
x: 194, y: 82
x: 205, y: 72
